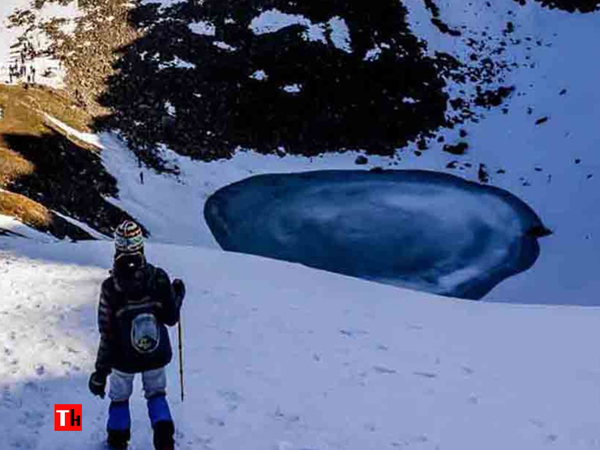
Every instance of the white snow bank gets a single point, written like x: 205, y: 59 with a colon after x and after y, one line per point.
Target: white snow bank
x: 259, y: 75
x: 282, y: 356
x: 340, y: 34
x: 162, y: 3
x: 177, y: 62
x: 274, y: 20
x: 11, y: 228
x: 203, y: 27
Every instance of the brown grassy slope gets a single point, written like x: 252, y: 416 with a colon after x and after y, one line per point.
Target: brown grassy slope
x: 42, y: 170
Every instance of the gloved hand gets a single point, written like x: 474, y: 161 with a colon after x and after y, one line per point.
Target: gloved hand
x: 178, y: 288
x: 97, y: 383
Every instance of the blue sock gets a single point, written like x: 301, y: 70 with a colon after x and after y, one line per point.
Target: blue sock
x: 119, y: 417
x: 158, y: 410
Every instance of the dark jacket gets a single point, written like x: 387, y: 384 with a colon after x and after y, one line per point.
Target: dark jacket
x: 133, y: 335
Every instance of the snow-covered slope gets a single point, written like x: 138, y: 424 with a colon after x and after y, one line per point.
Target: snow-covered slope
x: 48, y: 70
x: 279, y: 356
x: 11, y: 227
x: 553, y: 166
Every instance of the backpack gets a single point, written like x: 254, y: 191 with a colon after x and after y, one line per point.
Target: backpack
x: 143, y: 340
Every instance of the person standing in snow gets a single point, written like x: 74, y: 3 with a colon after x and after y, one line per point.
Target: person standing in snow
x: 137, y: 302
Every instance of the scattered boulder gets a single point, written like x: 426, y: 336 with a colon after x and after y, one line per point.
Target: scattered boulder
x: 361, y: 160
x: 542, y: 120
x: 458, y: 149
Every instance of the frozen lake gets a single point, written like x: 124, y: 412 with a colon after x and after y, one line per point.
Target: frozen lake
x: 423, y: 230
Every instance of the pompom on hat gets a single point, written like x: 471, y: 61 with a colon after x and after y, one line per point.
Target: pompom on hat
x: 129, y: 239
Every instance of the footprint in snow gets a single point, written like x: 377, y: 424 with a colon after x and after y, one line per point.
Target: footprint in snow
x: 287, y: 417
x: 537, y: 423
x: 353, y: 333
x: 201, y: 443
x: 426, y: 374
x: 215, y: 421
x: 383, y: 370
x: 23, y: 442
x: 232, y: 399
x: 405, y: 442
x: 8, y: 399
x: 33, y: 420
x: 71, y: 366
x: 467, y: 370
x: 284, y: 445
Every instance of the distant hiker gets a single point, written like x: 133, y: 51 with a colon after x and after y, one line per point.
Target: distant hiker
x: 136, y: 303
x: 141, y: 177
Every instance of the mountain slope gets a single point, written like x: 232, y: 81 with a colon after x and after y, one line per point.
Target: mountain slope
x: 540, y: 144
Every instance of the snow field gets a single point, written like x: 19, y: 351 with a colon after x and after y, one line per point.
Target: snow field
x: 281, y: 356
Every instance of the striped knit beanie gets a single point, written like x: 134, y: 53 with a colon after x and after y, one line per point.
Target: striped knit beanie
x: 129, y: 239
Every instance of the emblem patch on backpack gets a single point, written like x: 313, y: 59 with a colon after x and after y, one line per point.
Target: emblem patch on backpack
x: 145, y: 334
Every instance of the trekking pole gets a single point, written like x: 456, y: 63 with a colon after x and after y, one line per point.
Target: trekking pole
x: 179, y: 289
x: 180, y: 358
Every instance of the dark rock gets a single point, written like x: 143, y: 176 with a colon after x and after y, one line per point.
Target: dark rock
x: 584, y: 6
x: 422, y: 144
x: 539, y: 231
x: 482, y: 174
x: 495, y: 97
x: 458, y: 149
x: 444, y: 28
x: 334, y: 110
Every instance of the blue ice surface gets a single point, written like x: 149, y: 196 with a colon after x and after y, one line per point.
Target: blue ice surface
x: 423, y: 230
